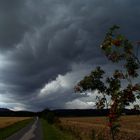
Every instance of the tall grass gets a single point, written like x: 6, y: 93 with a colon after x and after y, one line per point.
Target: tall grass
x: 50, y: 132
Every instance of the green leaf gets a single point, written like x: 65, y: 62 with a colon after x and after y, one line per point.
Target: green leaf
x: 120, y: 37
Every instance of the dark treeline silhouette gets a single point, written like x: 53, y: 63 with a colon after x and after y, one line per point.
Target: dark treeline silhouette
x: 84, y: 112
x: 90, y: 112
x: 65, y: 112
x: 80, y: 112
x: 9, y: 113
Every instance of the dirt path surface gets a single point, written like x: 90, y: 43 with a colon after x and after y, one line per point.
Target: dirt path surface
x: 31, y: 132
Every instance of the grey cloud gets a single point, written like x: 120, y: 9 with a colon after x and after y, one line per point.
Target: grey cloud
x: 43, y: 39
x: 11, y: 27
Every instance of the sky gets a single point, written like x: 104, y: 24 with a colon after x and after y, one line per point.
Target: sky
x: 47, y: 46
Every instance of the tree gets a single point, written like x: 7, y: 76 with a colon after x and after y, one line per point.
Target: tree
x: 118, y: 49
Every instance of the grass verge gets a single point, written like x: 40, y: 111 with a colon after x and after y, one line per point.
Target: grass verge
x: 11, y: 129
x: 50, y: 132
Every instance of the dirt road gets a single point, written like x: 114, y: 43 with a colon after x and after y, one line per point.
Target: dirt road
x: 31, y: 132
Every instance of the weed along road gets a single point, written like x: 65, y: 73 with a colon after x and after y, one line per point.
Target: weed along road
x: 31, y: 132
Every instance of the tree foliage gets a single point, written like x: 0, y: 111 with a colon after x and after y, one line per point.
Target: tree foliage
x: 118, y: 49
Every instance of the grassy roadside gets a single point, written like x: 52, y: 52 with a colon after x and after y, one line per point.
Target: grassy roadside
x: 50, y: 132
x: 11, y: 129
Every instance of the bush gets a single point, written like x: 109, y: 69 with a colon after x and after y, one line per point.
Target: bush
x: 51, y: 118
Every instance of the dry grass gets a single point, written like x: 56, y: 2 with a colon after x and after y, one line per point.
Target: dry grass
x: 130, y: 127
x: 6, y: 121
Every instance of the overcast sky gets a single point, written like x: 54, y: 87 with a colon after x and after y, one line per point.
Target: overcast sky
x: 47, y: 46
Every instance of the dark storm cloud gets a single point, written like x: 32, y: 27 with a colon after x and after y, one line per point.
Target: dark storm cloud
x: 11, y: 27
x: 40, y: 40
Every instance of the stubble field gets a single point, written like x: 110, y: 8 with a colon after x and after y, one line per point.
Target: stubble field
x: 88, y: 127
x: 6, y: 121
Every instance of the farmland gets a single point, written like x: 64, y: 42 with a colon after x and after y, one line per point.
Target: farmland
x: 10, y: 125
x: 86, y: 127
x: 6, y: 121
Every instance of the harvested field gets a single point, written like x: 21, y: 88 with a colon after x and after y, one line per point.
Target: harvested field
x: 6, y: 121
x: 85, y: 126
